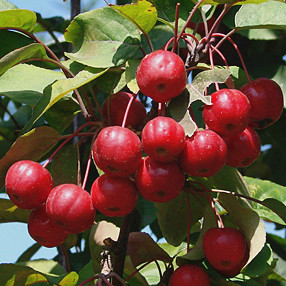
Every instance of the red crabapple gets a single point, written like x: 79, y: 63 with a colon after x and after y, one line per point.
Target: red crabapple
x: 114, y: 196
x: 161, y: 75
x: 28, y: 184
x: 266, y: 101
x: 117, y: 151
x: 159, y: 182
x: 204, y: 154
x: 229, y: 113
x: 71, y: 208
x: 43, y: 230
x: 163, y: 139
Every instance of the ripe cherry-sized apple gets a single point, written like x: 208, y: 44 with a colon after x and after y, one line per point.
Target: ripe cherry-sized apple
x: 242, y: 149
x: 204, y: 154
x: 114, y: 196
x: 43, y: 230
x: 159, y: 182
x: 229, y: 113
x: 28, y: 184
x: 71, y: 208
x: 163, y: 139
x: 266, y: 101
x: 224, y: 248
x: 189, y: 275
x: 117, y: 151
x: 114, y: 108
x: 161, y: 75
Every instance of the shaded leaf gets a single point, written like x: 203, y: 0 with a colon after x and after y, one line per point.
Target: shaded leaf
x: 26, y: 89
x: 142, y: 248
x: 142, y: 13
x: 99, y: 45
x: 31, y: 51
x: 248, y: 222
x: 18, y: 18
x: 30, y: 146
x: 273, y: 197
x: 11, y: 213
x: 130, y: 75
x: 56, y: 91
x: 203, y: 80
x: 173, y: 217
x: 216, y: 2
x: 179, y: 110
x: 28, y: 253
x: 270, y: 14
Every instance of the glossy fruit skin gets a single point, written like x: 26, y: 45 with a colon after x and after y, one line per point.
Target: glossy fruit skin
x: 117, y: 105
x: 229, y: 113
x: 114, y: 196
x: 204, y: 154
x: 71, y: 208
x: 159, y: 182
x: 161, y: 75
x: 163, y: 139
x: 243, y: 149
x: 224, y: 248
x: 28, y: 184
x: 43, y: 230
x: 117, y: 151
x: 189, y: 275
x: 266, y: 100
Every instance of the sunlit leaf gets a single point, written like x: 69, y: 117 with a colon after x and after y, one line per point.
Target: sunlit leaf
x: 21, y: 54
x: 142, y: 13
x: 97, y: 44
x: 130, y: 75
x: 18, y: 18
x: 216, y: 2
x: 5, y: 5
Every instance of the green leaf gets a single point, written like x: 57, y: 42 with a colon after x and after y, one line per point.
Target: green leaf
x: 56, y: 91
x: 29, y: 253
x: 5, y: 5
x: 248, y: 222
x: 179, y: 110
x: 173, y: 217
x: 21, y: 54
x: 130, y: 75
x: 270, y: 14
x: 64, y: 167
x: 19, y: 84
x: 142, y: 248
x: 30, y: 146
x: 97, y: 44
x: 143, y: 14
x: 273, y: 197
x: 216, y: 2
x: 18, y: 18
x: 11, y: 213
x: 203, y: 80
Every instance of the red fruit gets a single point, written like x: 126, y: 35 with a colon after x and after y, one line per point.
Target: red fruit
x: 117, y: 151
x: 224, y: 248
x: 163, y: 139
x: 229, y: 113
x: 114, y: 108
x: 189, y: 275
x: 236, y: 270
x: 43, y: 230
x: 266, y: 101
x: 159, y: 182
x: 161, y: 75
x: 243, y: 149
x: 71, y: 208
x: 114, y: 196
x: 28, y: 184
x: 204, y: 154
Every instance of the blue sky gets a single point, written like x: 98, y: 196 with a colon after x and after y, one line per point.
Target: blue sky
x: 14, y: 236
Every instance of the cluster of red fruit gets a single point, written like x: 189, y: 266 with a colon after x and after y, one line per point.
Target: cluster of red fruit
x: 56, y: 212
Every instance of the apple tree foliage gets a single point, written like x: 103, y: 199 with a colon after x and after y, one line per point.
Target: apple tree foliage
x: 48, y: 90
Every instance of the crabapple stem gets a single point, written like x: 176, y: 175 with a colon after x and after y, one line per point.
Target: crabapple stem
x: 212, y: 65
x: 237, y: 50
x: 176, y: 40
x: 89, y: 280
x: 221, y: 55
x: 63, y: 250
x: 127, y: 109
x: 189, y: 221
x: 66, y: 141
